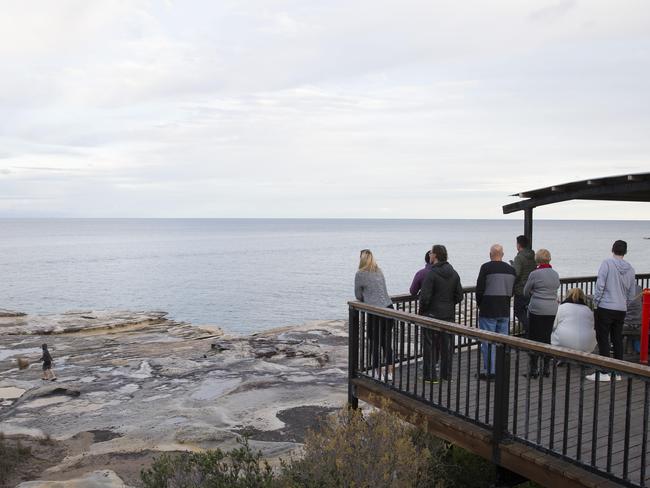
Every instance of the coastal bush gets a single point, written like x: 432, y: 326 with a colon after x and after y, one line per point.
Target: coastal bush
x: 237, y: 468
x: 350, y: 449
x: 11, y: 455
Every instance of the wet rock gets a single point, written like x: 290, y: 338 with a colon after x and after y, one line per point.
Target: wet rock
x: 265, y: 352
x: 10, y: 313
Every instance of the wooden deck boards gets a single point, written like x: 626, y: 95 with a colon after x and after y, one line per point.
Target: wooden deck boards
x: 460, y: 397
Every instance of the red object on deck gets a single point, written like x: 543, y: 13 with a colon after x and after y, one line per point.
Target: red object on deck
x: 645, y: 323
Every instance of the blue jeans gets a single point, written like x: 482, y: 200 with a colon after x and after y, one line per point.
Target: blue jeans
x: 492, y: 324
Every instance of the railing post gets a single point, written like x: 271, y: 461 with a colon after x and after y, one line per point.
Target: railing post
x: 353, y: 355
x: 501, y: 400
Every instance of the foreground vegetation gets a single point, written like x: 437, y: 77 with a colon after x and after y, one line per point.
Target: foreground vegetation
x: 12, y: 454
x: 349, y: 450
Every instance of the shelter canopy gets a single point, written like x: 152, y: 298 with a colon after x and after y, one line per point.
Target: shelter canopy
x: 623, y: 188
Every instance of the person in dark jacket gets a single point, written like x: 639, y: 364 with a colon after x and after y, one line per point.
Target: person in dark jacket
x: 524, y: 263
x: 441, y: 291
x: 48, y: 372
x: 493, y: 291
x: 420, y: 275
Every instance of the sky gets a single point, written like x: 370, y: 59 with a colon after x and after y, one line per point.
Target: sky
x: 318, y: 109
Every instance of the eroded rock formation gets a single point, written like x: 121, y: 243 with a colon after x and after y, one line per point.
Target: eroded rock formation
x: 131, y: 384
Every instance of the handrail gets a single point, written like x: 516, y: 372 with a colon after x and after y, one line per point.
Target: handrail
x: 475, y: 333
x: 402, y: 297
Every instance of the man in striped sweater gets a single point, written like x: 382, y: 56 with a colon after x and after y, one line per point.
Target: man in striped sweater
x: 494, y: 288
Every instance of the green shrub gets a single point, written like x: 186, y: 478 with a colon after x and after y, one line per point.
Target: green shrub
x: 351, y: 450
x: 238, y: 468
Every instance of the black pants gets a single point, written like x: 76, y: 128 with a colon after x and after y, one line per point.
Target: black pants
x: 380, y: 337
x: 540, y: 328
x: 609, y: 330
x: 437, y: 346
x: 521, y: 312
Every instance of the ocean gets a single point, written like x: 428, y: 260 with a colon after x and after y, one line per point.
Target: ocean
x: 247, y: 275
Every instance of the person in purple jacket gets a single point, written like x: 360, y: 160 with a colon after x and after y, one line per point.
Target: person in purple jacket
x: 420, y: 275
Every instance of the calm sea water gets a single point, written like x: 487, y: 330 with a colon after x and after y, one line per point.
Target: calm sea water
x: 249, y: 275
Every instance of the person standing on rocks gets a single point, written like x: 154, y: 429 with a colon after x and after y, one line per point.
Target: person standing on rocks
x: 370, y: 288
x: 48, y: 372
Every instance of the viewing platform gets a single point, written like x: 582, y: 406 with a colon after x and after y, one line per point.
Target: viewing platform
x: 560, y: 430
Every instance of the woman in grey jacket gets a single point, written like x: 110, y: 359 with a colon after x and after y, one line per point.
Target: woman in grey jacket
x: 541, y: 287
x: 370, y: 288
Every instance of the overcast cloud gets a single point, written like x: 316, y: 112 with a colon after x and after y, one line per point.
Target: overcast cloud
x: 245, y: 108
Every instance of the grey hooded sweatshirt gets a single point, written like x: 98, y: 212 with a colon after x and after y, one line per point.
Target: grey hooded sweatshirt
x: 614, y: 285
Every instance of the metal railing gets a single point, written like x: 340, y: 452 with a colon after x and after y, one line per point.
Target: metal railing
x: 602, y: 427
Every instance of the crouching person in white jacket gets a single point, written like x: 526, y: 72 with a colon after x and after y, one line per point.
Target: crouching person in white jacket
x: 574, y: 323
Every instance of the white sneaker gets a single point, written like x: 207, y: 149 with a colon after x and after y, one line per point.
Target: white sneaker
x: 618, y: 377
x: 603, y: 377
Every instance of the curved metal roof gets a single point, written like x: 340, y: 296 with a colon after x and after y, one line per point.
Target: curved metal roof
x: 626, y: 188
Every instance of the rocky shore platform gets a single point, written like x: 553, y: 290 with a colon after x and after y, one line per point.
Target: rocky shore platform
x: 133, y: 384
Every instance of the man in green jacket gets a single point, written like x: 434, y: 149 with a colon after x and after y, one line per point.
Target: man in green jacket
x: 523, y: 263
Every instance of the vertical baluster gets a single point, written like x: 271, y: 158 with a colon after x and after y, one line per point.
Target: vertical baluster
x: 408, y: 357
x: 353, y: 351
x: 527, y: 405
x: 644, y: 440
x: 567, y: 405
x: 626, y: 448
x: 594, y: 429
x: 366, y: 352
x: 400, y: 326
x: 610, y: 429
x: 478, y: 383
x: 515, y: 403
x: 443, y: 345
x: 553, y: 394
x: 458, y: 366
x: 540, y: 399
x: 468, y: 381
x: 581, y: 404
x: 488, y: 386
x: 416, y: 332
x: 424, y: 331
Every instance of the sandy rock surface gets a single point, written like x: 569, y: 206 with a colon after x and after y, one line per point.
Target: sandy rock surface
x: 96, y: 479
x: 131, y: 384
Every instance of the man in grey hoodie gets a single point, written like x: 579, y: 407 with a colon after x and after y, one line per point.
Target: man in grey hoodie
x: 615, y: 288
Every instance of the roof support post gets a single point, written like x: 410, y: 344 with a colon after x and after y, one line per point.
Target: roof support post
x: 528, y: 224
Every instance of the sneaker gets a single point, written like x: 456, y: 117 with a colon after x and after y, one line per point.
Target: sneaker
x: 532, y: 375
x: 618, y: 377
x: 433, y: 381
x: 603, y: 377
x: 485, y: 376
